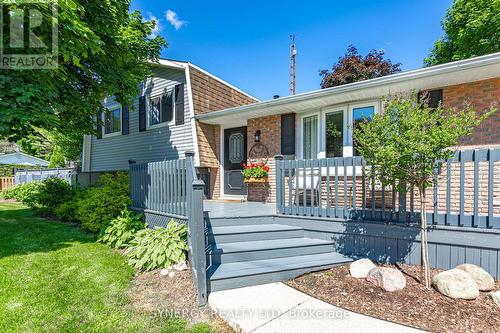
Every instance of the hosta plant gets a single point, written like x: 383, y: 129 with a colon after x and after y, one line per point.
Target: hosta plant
x: 158, y: 248
x: 119, y: 232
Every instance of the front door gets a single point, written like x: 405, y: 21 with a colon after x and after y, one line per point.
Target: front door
x: 235, y: 154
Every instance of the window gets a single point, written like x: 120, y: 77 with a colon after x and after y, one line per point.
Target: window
x: 112, y: 121
x: 310, y: 137
x: 360, y: 115
x: 434, y: 98
x: 334, y: 134
x: 161, y: 109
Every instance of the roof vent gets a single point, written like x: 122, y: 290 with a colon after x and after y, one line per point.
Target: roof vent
x: 276, y: 96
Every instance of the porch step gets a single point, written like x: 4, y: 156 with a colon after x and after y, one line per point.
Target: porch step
x: 252, y: 232
x: 222, y: 253
x: 237, y: 221
x: 254, y: 272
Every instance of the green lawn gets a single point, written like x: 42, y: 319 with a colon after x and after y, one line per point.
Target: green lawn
x: 56, y: 278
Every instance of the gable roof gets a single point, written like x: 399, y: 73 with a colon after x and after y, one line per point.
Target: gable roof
x: 22, y: 158
x: 182, y: 65
x: 474, y: 69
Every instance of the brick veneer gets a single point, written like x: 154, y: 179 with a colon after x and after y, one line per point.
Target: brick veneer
x: 270, y: 137
x: 482, y: 95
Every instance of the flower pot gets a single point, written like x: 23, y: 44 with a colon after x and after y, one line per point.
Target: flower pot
x: 255, y: 180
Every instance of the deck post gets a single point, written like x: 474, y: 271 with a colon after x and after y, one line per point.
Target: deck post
x: 279, y: 183
x: 196, y: 225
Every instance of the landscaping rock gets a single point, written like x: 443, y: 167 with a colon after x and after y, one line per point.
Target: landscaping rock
x: 171, y: 274
x: 164, y: 272
x: 456, y: 283
x: 389, y: 279
x: 182, y: 266
x: 360, y: 268
x: 495, y: 296
x: 484, y: 280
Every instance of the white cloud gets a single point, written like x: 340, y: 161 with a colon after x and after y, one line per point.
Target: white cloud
x: 155, y: 32
x: 174, y: 20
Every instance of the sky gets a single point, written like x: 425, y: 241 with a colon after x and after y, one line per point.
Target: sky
x: 246, y: 43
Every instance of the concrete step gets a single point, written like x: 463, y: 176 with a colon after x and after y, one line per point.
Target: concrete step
x: 255, y: 272
x: 266, y: 249
x: 252, y: 232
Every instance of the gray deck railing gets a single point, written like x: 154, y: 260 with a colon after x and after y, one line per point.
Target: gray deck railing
x: 466, y: 191
x: 171, y: 189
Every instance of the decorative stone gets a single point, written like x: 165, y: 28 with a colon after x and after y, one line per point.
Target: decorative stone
x: 484, y: 280
x: 182, y: 266
x: 389, y: 279
x: 456, y: 283
x: 164, y: 272
x: 495, y: 296
x: 171, y: 274
x: 360, y: 268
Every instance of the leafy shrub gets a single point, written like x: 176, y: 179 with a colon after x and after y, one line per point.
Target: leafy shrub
x: 44, y: 196
x: 157, y: 248
x: 120, y: 231
x: 103, y: 202
x: 66, y: 211
x: 8, y: 193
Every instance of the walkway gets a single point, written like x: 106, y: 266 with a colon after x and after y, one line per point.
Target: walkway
x: 276, y: 308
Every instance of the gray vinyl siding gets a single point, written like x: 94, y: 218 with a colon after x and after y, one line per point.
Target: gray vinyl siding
x: 155, y: 144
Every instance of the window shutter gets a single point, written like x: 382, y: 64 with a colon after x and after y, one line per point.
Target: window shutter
x: 125, y: 120
x: 99, y: 125
x: 142, y: 113
x: 179, y: 104
x: 166, y: 107
x: 288, y: 134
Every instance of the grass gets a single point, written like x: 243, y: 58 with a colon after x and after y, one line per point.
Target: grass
x: 56, y: 278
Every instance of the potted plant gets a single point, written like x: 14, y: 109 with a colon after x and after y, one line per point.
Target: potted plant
x: 255, y: 172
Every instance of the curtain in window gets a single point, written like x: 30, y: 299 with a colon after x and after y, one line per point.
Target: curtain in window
x: 310, y: 141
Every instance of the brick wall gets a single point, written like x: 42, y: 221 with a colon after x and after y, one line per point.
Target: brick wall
x: 270, y: 138
x: 482, y: 95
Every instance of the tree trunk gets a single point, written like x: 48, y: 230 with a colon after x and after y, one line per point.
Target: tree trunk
x: 426, y: 279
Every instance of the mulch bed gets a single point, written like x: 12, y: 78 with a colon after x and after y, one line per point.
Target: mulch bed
x: 160, y: 295
x: 413, y: 306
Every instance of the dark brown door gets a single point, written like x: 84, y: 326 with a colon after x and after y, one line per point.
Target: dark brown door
x: 235, y: 154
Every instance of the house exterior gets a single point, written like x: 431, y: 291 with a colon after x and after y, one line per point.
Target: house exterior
x: 296, y: 126
x: 20, y: 158
x: 161, y: 125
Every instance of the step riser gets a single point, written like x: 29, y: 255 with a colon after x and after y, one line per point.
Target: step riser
x: 223, y: 258
x: 245, y: 281
x: 226, y: 222
x: 250, y: 236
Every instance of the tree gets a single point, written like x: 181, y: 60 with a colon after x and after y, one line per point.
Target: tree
x: 471, y: 28
x: 103, y: 50
x: 353, y: 67
x: 406, y: 145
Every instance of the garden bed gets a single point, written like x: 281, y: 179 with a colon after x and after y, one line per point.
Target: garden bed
x: 159, y: 295
x: 413, y: 306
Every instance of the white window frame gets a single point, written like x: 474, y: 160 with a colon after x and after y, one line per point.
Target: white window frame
x: 376, y: 110
x: 111, y: 109
x: 148, y: 108
x: 345, y: 129
x: 348, y: 146
x: 301, y: 133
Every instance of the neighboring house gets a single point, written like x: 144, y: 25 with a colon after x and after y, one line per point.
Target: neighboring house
x: 161, y: 125
x: 22, y: 159
x: 296, y: 126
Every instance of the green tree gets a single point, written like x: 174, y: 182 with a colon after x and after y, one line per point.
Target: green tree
x: 103, y: 50
x: 406, y: 145
x: 471, y: 28
x: 353, y: 67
